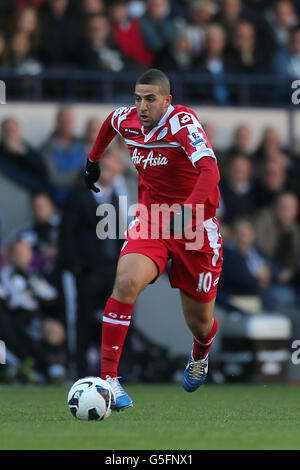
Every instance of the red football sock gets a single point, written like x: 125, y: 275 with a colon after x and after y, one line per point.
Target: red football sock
x: 116, y: 321
x: 202, y: 347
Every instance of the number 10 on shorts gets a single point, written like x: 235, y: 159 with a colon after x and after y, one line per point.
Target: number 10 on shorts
x: 204, y: 282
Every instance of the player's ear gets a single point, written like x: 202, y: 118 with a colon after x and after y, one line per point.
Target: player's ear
x: 169, y: 99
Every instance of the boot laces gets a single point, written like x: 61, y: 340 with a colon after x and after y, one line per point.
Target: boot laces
x: 115, y: 385
x: 197, y: 368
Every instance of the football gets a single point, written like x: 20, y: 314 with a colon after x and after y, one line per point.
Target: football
x: 91, y: 398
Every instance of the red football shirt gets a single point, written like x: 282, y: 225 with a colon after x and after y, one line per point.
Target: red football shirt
x: 168, y: 158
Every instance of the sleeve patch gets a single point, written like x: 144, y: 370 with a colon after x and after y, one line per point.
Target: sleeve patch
x: 197, y: 138
x: 182, y: 120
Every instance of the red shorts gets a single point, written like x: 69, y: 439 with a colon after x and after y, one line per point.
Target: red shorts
x: 194, y: 271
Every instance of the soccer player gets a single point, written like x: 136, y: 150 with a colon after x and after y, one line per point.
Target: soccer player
x: 176, y: 165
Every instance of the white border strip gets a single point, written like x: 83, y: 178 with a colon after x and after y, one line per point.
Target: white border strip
x: 115, y: 322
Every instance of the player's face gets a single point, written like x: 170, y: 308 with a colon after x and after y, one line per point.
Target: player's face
x: 151, y: 104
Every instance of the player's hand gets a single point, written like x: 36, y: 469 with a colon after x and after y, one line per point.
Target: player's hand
x: 180, y: 220
x: 91, y: 175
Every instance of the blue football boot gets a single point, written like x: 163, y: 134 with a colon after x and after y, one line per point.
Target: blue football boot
x: 122, y: 399
x: 195, y: 373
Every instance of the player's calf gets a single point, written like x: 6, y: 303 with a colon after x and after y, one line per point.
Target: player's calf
x: 197, y: 367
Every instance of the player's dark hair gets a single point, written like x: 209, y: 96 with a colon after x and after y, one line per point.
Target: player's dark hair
x: 155, y: 77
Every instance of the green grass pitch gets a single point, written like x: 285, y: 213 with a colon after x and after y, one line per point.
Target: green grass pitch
x: 163, y: 417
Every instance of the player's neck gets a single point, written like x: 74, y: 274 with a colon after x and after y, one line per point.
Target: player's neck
x: 161, y: 121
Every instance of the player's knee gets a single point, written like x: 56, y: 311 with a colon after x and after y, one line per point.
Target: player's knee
x: 126, y: 288
x: 200, y: 327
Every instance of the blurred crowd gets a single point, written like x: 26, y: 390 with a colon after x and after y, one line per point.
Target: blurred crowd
x: 259, y: 215
x: 62, y: 236
x: 260, y: 184
x: 219, y: 38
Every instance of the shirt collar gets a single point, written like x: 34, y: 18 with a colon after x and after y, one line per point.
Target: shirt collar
x: 162, y: 122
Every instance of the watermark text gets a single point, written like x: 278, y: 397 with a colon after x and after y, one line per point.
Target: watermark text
x: 2, y: 92
x: 2, y: 352
x: 296, y: 94
x: 296, y: 354
x: 159, y: 221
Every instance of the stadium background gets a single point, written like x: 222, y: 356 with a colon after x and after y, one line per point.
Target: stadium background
x: 66, y: 65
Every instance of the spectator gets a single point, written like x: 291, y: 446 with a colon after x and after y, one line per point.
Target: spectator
x: 233, y: 11
x: 89, y: 8
x: 237, y: 193
x: 211, y: 133
x: 230, y: 12
x: 200, y: 14
x: 18, y: 155
x: 59, y: 38
x: 128, y: 36
x: 214, y: 62
x: 63, y: 155
x: 281, y: 18
x: 272, y: 180
x: 97, y: 52
x: 246, y: 53
x: 242, y: 141
x: 90, y: 134
x: 157, y: 26
x: 246, y: 269
x: 136, y: 8
x: 248, y: 56
x: 21, y: 58
x: 178, y: 56
x: 3, y: 51
x: 271, y: 148
x: 19, y: 364
x: 285, y: 65
x: 278, y: 234
x: 92, y: 260
x: 31, y: 306
x: 44, y: 232
x: 25, y: 20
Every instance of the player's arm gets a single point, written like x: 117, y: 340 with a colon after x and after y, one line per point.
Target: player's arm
x: 207, y: 181
x: 104, y: 138
x: 188, y: 131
